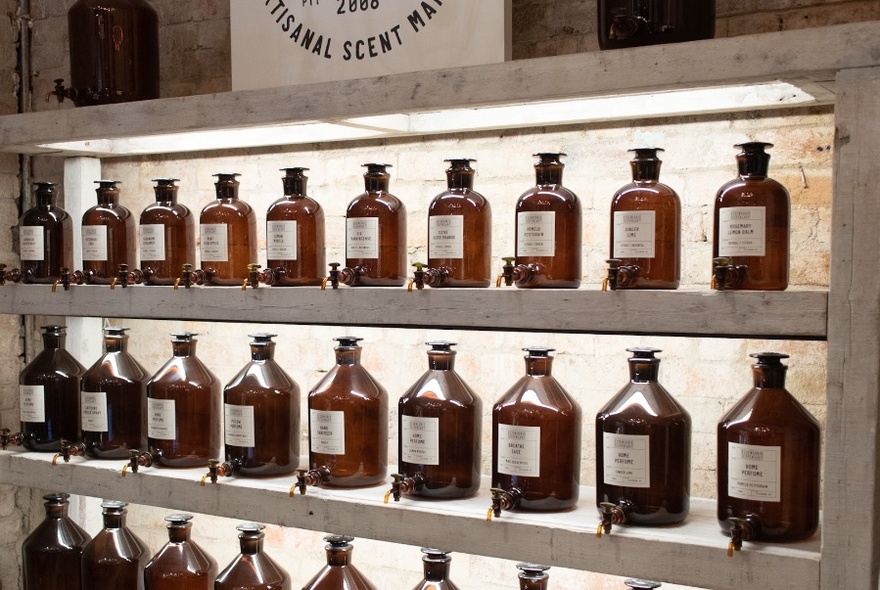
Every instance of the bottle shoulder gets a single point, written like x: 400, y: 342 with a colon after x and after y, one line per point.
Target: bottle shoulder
x: 645, y: 400
x: 375, y: 202
x: 262, y: 376
x: 744, y: 191
x: 644, y: 196
x: 293, y: 207
x: 453, y: 200
x: 442, y: 387
x: 770, y: 407
x: 540, y: 392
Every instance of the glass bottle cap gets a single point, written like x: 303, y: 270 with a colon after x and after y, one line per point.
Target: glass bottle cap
x: 227, y: 175
x: 56, y: 330
x: 753, y: 146
x: 432, y: 554
x: 182, y: 336
x: 646, y: 153
x: 441, y: 345
x: 769, y: 358
x: 639, y: 584
x: 459, y: 160
x: 262, y: 336
x: 115, y: 331
x: 56, y: 498
x: 166, y: 181
x: 108, y: 183
x: 338, y: 541
x: 532, y: 571
x: 178, y: 519
x: 550, y: 155
x: 643, y: 352
x: 114, y: 506
x: 540, y: 351
x: 380, y: 165
x: 348, y: 341
x: 251, y: 528
x: 294, y: 169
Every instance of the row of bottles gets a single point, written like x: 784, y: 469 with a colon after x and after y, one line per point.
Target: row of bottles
x: 750, y: 249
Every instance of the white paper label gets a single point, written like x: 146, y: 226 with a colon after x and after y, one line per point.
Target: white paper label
x: 741, y: 231
x: 754, y: 472
x: 31, y: 242
x: 239, y: 421
x: 446, y: 236
x: 420, y: 439
x: 536, y: 233
x: 627, y: 460
x: 281, y: 240
x: 634, y: 234
x: 519, y: 450
x: 93, y: 411
x: 214, y: 242
x: 32, y: 403
x: 153, y: 242
x: 162, y: 423
x: 94, y: 242
x: 362, y: 237
x: 327, y: 432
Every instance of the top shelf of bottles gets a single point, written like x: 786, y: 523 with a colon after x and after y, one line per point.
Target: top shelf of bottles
x: 773, y: 70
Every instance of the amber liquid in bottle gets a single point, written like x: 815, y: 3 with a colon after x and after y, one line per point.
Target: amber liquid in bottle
x: 228, y: 228
x: 116, y: 557
x: 108, y: 236
x: 45, y: 238
x: 439, y: 423
x: 548, y: 230
x: 533, y: 576
x: 375, y: 233
x: 295, y: 234
x: 261, y: 408
x: 643, y: 448
x: 624, y: 23
x: 350, y: 407
x: 181, y: 564
x: 460, y: 232
x: 646, y: 226
x: 252, y: 569
x: 113, y: 401
x: 52, y: 553
x: 768, y: 459
x: 339, y: 573
x: 167, y: 236
x: 537, y: 418
x: 436, y: 565
x: 752, y: 221
x: 183, y: 405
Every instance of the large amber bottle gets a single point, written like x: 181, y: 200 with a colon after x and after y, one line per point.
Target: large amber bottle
x: 768, y: 461
x: 536, y: 434
x: 751, y: 226
x: 339, y: 573
x: 646, y: 228
x: 295, y: 234
x: 624, y: 23
x: 348, y: 423
x: 108, y: 236
x: 436, y: 565
x: 183, y: 404
x: 114, y: 401
x: 181, y: 564
x: 52, y: 553
x: 167, y: 235
x: 459, y: 211
x: 45, y: 237
x: 643, y: 449
x: 252, y: 569
x: 439, y: 422
x: 116, y: 557
x: 228, y: 232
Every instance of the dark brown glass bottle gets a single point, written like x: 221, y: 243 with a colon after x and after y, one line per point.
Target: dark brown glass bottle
x: 52, y: 553
x: 113, y: 401
x: 181, y: 564
x: 228, y: 231
x: 108, y: 236
x: 646, y: 227
x: 459, y: 211
x: 348, y: 423
x: 536, y: 434
x: 628, y: 23
x: 183, y: 408
x: 261, y: 407
x: 436, y: 566
x: 751, y: 226
x: 45, y: 237
x: 439, y: 422
x: 533, y: 576
x: 768, y: 460
x: 252, y: 569
x: 167, y: 235
x: 339, y: 574
x: 548, y: 230
x: 375, y: 234
x: 116, y: 557
x: 295, y: 234
x: 643, y: 448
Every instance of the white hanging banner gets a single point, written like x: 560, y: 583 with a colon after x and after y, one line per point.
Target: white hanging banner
x: 286, y: 42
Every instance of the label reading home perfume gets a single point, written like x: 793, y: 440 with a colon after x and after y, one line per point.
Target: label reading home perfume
x: 536, y: 233
x: 31, y: 242
x: 627, y: 460
x: 741, y: 231
x: 634, y: 234
x: 362, y: 237
x: 446, y: 236
x: 281, y: 240
x: 327, y: 432
x: 93, y: 411
x: 519, y: 450
x: 239, y: 421
x: 754, y: 472
x: 153, y: 242
x: 94, y: 242
x: 420, y: 440
x: 32, y: 403
x: 162, y: 422
x: 215, y: 242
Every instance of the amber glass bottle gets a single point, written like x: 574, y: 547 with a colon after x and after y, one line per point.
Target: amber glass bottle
x: 439, y: 422
x: 348, y: 423
x: 624, y: 23
x: 252, y: 569
x: 436, y: 565
x: 375, y: 234
x: 167, y: 235
x: 116, y: 557
x: 548, y: 230
x: 52, y: 553
x: 533, y: 576
x: 768, y: 460
x: 751, y: 227
x: 183, y: 405
x: 45, y: 237
x: 113, y: 401
x: 536, y: 434
x: 261, y: 408
x: 339, y: 573
x: 108, y: 235
x: 295, y: 234
x: 459, y: 211
x: 181, y: 564
x: 643, y: 448
x: 646, y: 227
x: 228, y: 228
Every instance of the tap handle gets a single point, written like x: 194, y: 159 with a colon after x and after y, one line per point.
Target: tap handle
x: 418, y: 276
x: 497, y: 499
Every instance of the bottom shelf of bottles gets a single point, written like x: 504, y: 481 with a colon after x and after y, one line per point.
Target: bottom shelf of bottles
x: 692, y: 553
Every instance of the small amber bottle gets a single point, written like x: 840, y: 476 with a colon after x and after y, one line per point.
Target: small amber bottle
x: 339, y: 573
x: 108, y: 236
x: 45, y: 237
x: 52, y: 553
x: 252, y: 569
x: 116, y: 557
x: 180, y: 564
x: 533, y: 576
x: 228, y: 232
x: 436, y: 565
x: 167, y: 235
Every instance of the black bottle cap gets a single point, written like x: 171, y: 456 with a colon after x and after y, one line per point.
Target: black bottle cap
x: 54, y: 330
x: 108, y: 183
x: 294, y: 170
x: 441, y: 345
x: 769, y: 359
x: 460, y: 161
x: 45, y: 185
x: 533, y: 571
x: 753, y: 147
x: 539, y: 351
x: 165, y: 181
x: 643, y: 352
x: 182, y: 336
x: 262, y: 337
x: 436, y: 555
x: 116, y: 331
x: 550, y: 155
x: 646, y: 153
x: 338, y: 541
x: 376, y: 165
x: 348, y: 341
x: 226, y: 175
x: 56, y: 498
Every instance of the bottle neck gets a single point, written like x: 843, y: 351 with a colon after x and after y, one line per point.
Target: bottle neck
x: 114, y: 521
x: 226, y: 189
x: 295, y: 186
x: 263, y: 352
x: 57, y: 511
x: 437, y: 570
x: 457, y: 178
x: 376, y: 182
x: 532, y: 584
x: 115, y: 344
x: 348, y: 356
x: 45, y: 200
x: 338, y: 556
x: 251, y: 545
x: 441, y: 360
x: 537, y: 366
x: 166, y: 195
x: 548, y: 173
x: 108, y: 197
x: 645, y: 170
x: 53, y: 341
x: 179, y: 534
x: 183, y: 348
x: 769, y: 378
x: 753, y: 165
x: 641, y: 370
